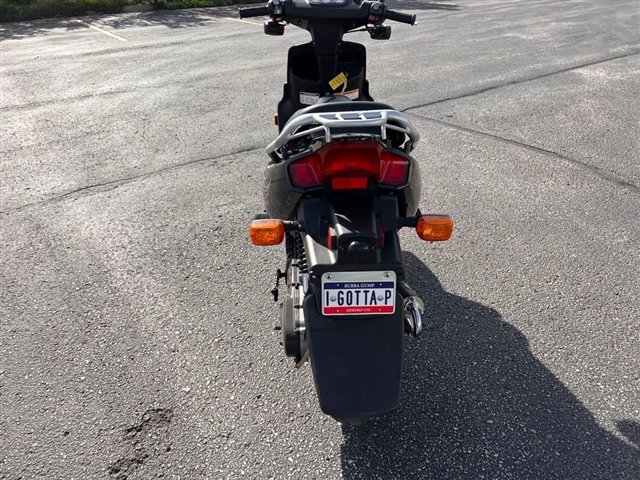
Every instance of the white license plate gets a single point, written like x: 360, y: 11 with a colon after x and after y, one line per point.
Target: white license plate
x: 359, y: 293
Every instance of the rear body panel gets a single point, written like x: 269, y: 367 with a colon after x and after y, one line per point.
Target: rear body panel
x: 282, y: 202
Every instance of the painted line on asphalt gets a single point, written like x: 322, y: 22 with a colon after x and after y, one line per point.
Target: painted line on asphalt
x: 98, y: 29
x: 208, y: 14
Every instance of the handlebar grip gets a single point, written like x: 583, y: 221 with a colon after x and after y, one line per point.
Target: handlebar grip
x: 253, y: 12
x: 399, y: 17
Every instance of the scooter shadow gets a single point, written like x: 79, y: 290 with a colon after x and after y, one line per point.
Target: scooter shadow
x: 477, y: 404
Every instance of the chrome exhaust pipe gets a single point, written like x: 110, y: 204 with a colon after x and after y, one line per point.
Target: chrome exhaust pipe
x: 413, y: 312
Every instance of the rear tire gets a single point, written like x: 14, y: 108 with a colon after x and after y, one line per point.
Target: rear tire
x: 351, y: 421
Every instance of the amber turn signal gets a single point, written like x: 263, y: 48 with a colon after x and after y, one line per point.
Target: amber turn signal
x: 434, y: 228
x: 266, y: 232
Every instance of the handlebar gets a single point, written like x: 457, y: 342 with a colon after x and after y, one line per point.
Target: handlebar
x: 372, y: 9
x: 254, y: 12
x: 399, y: 17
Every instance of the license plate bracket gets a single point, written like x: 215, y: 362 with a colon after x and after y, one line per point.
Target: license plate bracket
x: 358, y: 293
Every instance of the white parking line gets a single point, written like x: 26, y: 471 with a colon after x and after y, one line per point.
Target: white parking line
x: 88, y: 25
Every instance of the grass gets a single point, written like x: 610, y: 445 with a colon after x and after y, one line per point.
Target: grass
x: 17, y: 10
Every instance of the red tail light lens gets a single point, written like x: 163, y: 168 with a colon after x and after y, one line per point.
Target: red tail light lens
x: 349, y: 166
x: 394, y: 169
x: 307, y: 172
x: 359, y: 159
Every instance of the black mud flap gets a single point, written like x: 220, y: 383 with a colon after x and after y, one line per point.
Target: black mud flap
x: 356, y: 361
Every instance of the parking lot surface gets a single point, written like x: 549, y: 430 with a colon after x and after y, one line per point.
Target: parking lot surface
x: 136, y: 335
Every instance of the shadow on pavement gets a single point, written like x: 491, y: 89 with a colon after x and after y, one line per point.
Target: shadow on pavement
x: 418, y: 5
x: 17, y: 30
x: 477, y: 404
x: 168, y: 18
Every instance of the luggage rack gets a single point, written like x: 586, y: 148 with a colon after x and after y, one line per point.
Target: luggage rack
x: 331, y: 126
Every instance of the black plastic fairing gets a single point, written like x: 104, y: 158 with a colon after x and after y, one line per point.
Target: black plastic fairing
x: 280, y: 201
x: 334, y: 221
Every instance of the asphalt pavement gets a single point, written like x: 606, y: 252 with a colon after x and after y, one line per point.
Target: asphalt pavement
x: 136, y: 335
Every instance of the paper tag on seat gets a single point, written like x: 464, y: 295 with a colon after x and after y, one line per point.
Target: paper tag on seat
x: 338, y: 80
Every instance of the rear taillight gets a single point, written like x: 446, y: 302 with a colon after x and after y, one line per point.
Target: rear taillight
x: 394, y: 169
x: 306, y: 172
x: 360, y: 159
x: 349, y: 166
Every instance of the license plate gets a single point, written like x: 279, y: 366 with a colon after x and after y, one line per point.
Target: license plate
x: 359, y: 293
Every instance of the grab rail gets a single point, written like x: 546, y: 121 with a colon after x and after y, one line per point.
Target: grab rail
x: 354, y: 120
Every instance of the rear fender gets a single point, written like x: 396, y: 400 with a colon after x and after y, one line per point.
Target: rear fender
x: 356, y: 360
x: 332, y: 225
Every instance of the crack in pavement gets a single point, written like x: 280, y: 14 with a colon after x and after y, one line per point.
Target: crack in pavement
x: 148, y: 438
x: 112, y: 184
x: 22, y: 106
x: 522, y: 80
x: 604, y: 174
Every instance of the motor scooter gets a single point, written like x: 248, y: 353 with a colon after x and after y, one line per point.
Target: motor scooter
x: 339, y: 185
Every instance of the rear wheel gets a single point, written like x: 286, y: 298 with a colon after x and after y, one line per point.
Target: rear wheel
x: 351, y: 421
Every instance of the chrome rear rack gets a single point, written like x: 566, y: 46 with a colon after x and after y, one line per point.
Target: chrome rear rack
x: 329, y: 126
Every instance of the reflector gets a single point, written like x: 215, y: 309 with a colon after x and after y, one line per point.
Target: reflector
x: 349, y: 183
x: 434, y: 228
x: 266, y: 232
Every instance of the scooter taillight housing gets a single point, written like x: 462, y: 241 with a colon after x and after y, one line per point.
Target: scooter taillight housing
x: 349, y: 166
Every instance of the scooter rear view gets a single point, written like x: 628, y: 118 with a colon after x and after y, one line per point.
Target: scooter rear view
x: 339, y: 185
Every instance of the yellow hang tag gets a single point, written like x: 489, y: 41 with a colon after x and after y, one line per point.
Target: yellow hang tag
x: 338, y: 80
